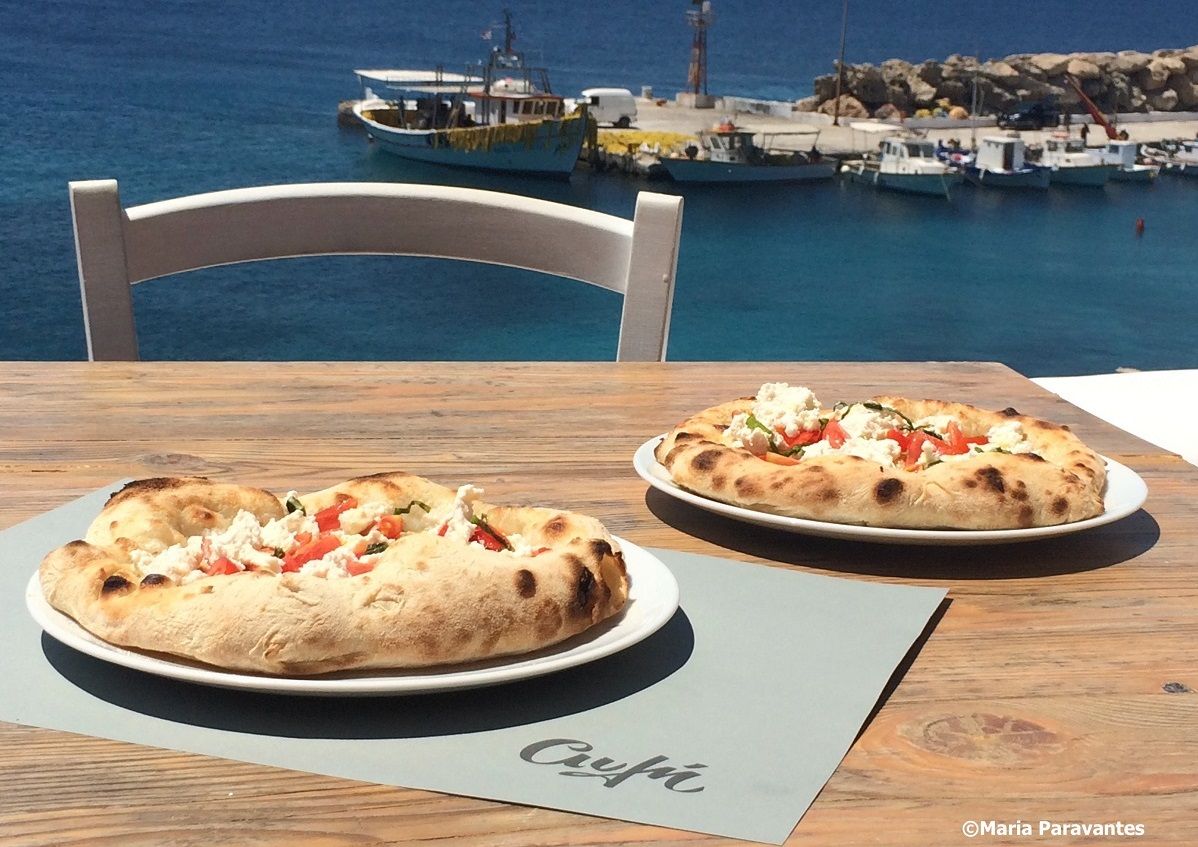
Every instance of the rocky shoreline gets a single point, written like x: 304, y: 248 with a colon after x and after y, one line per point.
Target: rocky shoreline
x: 1127, y: 81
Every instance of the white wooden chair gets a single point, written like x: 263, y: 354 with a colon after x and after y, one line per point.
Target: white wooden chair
x: 118, y: 247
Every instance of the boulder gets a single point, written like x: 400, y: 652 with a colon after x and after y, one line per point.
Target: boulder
x: 1194, y: 75
x: 1190, y: 57
x: 1187, y: 91
x: 1083, y: 69
x: 1163, y: 101
x: 850, y: 107
x: 1172, y: 64
x: 1129, y: 62
x: 998, y: 71
x: 1051, y: 64
x: 930, y: 72
x: 1154, y: 76
x: 866, y: 83
x: 894, y: 70
x: 807, y: 104
x: 954, y: 89
x: 888, y: 112
x: 825, y: 87
x: 897, y: 94
x: 921, y: 92
x: 958, y: 113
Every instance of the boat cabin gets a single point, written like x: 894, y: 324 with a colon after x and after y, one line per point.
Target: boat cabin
x: 1065, y: 145
x: 1122, y: 153
x: 907, y: 148
x: 730, y: 146
x: 1001, y: 153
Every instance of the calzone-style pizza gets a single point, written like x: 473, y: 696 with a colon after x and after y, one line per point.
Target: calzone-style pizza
x: 886, y: 461
x: 384, y: 571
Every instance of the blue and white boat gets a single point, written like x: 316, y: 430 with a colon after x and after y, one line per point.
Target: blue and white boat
x: 505, y: 118
x: 1123, y: 155
x: 909, y: 165
x: 730, y: 154
x: 1000, y: 164
x: 1069, y: 162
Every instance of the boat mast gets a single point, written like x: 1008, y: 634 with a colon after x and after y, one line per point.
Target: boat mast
x: 700, y: 19
x: 844, y: 27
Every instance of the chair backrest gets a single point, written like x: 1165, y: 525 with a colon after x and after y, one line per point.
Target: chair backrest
x: 118, y: 247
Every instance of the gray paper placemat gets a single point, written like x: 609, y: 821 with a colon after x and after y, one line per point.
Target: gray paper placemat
x: 728, y: 721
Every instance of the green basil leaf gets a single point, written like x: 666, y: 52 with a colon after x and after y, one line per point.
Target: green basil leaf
x: 408, y: 507
x: 278, y: 552
x: 752, y: 423
x: 294, y: 505
x: 376, y: 547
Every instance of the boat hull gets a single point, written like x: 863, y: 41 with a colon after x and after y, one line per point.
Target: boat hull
x: 1136, y: 173
x: 937, y: 185
x: 1093, y: 176
x: 690, y: 171
x: 549, y: 148
x: 1183, y: 169
x: 1028, y: 178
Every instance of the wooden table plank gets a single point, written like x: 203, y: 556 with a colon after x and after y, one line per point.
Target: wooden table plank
x: 1056, y: 685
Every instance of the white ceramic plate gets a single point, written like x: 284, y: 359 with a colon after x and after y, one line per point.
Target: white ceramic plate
x: 1125, y: 493
x: 652, y: 601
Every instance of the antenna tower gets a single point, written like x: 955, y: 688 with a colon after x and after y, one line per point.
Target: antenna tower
x: 700, y: 19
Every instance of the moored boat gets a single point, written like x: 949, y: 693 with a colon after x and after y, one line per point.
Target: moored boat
x: 505, y: 119
x: 730, y: 154
x: 1000, y: 164
x: 1175, y: 157
x: 908, y: 165
x: 1124, y: 156
x: 1069, y: 162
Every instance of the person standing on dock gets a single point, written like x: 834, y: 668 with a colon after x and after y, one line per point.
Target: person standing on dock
x: 1085, y: 133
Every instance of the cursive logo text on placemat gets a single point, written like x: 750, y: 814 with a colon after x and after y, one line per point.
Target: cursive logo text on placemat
x: 577, y: 755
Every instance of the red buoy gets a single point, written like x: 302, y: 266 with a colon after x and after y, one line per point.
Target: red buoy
x: 1139, y: 226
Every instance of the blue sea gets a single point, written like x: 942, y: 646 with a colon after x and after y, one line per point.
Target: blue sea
x: 175, y: 98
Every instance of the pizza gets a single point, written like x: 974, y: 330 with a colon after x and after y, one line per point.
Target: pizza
x: 383, y: 571
x: 887, y: 461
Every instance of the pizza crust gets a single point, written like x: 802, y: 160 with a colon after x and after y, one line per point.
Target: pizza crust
x: 1059, y: 481
x: 429, y: 600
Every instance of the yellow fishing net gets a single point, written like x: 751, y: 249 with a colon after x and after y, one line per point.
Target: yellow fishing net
x: 629, y: 141
x: 485, y: 137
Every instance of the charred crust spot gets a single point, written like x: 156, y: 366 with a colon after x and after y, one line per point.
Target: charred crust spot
x: 156, y: 484
x: 970, y: 483
x: 1025, y: 515
x: 77, y: 543
x: 555, y: 527
x: 827, y: 495
x: 888, y: 489
x: 1019, y: 494
x: 719, y: 481
x: 705, y: 460
x: 115, y: 584
x: 1081, y: 465
x: 526, y: 584
x: 152, y: 579
x: 991, y: 477
x: 1009, y: 412
x: 383, y: 475
x: 584, y: 590
x: 1059, y: 506
x: 721, y: 427
x: 746, y: 486
x: 600, y: 548
x: 778, y: 484
x: 685, y: 436
x: 1035, y: 457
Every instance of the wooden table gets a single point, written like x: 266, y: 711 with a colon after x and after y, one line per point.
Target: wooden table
x: 1057, y: 684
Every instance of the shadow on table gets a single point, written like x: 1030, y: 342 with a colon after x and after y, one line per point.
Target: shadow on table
x: 543, y: 698
x: 1089, y: 550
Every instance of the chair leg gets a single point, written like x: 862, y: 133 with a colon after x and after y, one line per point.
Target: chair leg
x: 104, y: 287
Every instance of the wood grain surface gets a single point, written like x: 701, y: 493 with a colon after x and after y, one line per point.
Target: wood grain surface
x: 1057, y: 684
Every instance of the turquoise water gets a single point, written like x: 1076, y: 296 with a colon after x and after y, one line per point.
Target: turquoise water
x: 185, y: 97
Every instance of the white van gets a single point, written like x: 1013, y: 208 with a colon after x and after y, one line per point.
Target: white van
x: 615, y: 106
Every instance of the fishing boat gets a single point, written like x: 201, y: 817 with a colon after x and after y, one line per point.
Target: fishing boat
x: 1176, y: 157
x: 1000, y: 164
x: 906, y: 164
x: 728, y: 153
x: 505, y: 118
x: 1124, y: 156
x: 1069, y: 162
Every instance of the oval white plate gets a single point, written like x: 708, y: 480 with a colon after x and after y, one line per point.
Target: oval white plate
x: 1125, y: 494
x: 652, y: 601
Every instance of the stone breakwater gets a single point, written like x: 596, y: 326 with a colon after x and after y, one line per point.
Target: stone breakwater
x: 1128, y: 81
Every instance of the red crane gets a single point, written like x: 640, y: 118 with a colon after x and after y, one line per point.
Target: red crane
x: 1099, y: 117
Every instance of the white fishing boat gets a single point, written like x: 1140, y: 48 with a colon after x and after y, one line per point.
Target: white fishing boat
x: 908, y: 165
x: 505, y: 118
x: 1000, y: 164
x: 1123, y: 155
x: 1069, y: 162
x: 728, y: 153
x: 1176, y: 157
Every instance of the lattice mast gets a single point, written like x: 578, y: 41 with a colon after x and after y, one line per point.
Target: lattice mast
x: 700, y: 18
